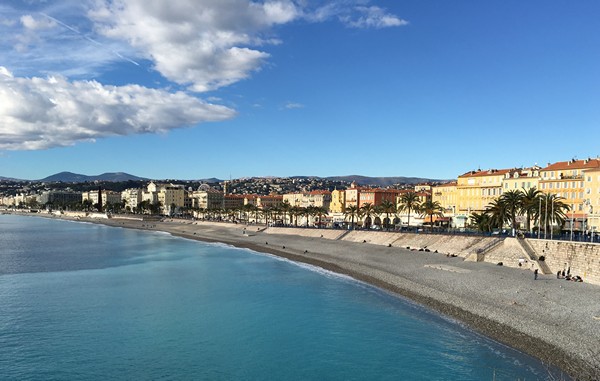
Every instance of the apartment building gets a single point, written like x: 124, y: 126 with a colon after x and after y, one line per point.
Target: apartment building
x: 108, y: 197
x: 207, y: 198
x: 375, y: 196
x: 57, y: 197
x: 132, y: 197
x: 171, y: 197
x: 319, y: 198
x: 592, y: 199
x: 566, y: 179
x: 477, y: 189
x: 446, y: 195
x: 521, y: 179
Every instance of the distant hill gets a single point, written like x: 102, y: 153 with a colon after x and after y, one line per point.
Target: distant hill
x: 381, y: 181
x: 69, y: 177
x: 2, y: 178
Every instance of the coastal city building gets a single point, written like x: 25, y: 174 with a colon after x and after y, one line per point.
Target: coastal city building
x: 575, y: 183
x: 566, y: 179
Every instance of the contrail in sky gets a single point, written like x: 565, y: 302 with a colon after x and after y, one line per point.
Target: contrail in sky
x: 88, y: 38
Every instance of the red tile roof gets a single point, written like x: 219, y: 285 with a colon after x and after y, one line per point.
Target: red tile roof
x: 573, y: 164
x: 487, y: 172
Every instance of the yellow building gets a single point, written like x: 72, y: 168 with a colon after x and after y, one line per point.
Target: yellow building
x: 338, y: 201
x: 566, y: 179
x: 522, y: 179
x: 445, y: 194
x: 592, y: 199
x: 477, y: 189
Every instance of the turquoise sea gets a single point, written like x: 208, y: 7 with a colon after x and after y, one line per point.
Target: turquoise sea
x: 90, y: 302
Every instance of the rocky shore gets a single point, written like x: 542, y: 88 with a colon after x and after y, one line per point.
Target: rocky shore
x: 554, y: 320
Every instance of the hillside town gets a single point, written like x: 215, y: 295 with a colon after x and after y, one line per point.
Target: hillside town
x: 562, y: 197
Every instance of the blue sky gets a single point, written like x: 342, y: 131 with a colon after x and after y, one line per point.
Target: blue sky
x: 192, y: 89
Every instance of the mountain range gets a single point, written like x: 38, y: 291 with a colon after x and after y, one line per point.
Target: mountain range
x: 70, y: 177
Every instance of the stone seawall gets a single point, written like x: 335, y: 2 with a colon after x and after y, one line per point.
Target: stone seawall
x: 582, y: 258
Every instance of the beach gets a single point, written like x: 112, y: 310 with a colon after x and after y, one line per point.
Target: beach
x: 554, y: 320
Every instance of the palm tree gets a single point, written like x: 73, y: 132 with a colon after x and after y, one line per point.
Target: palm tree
x: 307, y: 212
x: 248, y: 209
x: 388, y: 208
x: 497, y: 212
x: 431, y: 208
x: 512, y: 201
x: 285, y: 209
x: 367, y: 210
x: 319, y: 212
x: 530, y: 205
x: 482, y: 221
x: 556, y: 211
x: 353, y: 212
x: 296, y: 211
x: 409, y: 201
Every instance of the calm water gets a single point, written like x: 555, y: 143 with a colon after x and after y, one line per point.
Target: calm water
x: 90, y: 302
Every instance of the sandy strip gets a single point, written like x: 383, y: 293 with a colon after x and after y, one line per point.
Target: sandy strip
x: 554, y: 320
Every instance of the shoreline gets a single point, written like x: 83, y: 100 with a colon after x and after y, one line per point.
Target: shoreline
x: 554, y: 321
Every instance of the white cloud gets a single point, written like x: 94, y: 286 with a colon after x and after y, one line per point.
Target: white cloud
x: 32, y: 23
x: 40, y: 113
x: 203, y: 44
x: 200, y: 44
x: 293, y: 105
x: 372, y: 17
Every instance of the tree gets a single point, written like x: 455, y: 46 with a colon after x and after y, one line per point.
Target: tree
x: 285, y: 209
x: 307, y: 212
x: 319, y: 212
x: 497, y: 212
x: 482, y: 221
x: 431, y: 208
x: 353, y: 212
x: 296, y: 211
x: 247, y: 209
x: 87, y: 204
x: 388, y: 208
x: 367, y: 210
x: 512, y: 201
x: 409, y: 201
x: 530, y: 205
x: 555, y: 210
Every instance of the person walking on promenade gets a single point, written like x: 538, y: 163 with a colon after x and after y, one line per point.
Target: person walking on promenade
x: 535, y: 274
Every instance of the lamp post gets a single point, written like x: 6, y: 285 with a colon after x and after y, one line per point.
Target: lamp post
x: 546, y: 220
x: 540, y: 219
x: 552, y: 219
x: 572, y: 215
